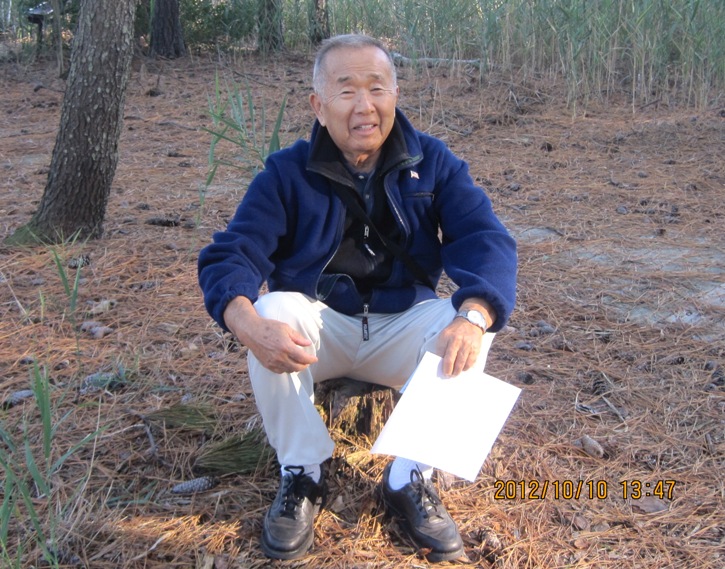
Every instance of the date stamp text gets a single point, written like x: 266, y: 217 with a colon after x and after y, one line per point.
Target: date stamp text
x: 582, y: 489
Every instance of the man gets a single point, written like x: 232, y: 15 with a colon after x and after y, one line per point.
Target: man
x: 345, y: 231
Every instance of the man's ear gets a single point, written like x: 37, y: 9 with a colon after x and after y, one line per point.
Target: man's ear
x: 316, y: 103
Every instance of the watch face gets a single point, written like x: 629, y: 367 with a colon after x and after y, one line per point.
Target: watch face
x: 476, y: 317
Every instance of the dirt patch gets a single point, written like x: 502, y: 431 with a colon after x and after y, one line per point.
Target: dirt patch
x: 618, y: 333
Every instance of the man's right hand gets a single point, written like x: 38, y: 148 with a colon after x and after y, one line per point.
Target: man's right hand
x: 276, y: 345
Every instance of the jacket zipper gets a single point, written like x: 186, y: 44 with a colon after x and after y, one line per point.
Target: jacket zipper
x: 366, y: 235
x: 365, y: 328
x: 412, y: 161
x: 366, y: 307
x: 398, y: 218
x: 338, y: 238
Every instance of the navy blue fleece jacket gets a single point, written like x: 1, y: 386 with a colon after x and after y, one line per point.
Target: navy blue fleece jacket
x: 290, y: 224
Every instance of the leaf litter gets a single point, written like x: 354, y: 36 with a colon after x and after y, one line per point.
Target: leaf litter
x: 618, y: 281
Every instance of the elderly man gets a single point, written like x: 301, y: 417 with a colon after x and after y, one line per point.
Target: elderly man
x: 352, y: 231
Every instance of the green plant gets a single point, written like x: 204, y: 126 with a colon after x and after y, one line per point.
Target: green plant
x: 236, y: 120
x: 213, y: 22
x: 71, y: 291
x: 71, y: 286
x: 32, y: 468
x: 645, y: 49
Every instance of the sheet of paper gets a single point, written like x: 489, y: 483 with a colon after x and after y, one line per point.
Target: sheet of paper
x: 448, y: 423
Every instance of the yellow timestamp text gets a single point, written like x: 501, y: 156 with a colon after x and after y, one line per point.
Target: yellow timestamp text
x: 578, y: 489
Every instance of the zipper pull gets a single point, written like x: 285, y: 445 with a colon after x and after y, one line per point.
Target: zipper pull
x: 366, y: 234
x: 365, y: 329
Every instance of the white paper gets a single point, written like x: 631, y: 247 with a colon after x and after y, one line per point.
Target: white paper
x: 448, y: 423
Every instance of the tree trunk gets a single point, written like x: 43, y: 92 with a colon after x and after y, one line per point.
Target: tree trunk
x: 319, y: 21
x: 167, y: 37
x: 58, y: 29
x: 355, y: 408
x: 86, y: 147
x: 269, y: 23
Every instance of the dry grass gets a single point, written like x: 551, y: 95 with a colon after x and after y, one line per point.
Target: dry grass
x: 618, y: 335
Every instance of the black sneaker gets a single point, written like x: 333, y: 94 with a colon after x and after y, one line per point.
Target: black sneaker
x: 424, y: 517
x: 288, y: 526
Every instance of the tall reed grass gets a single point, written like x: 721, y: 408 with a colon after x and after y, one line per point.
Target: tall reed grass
x: 645, y: 49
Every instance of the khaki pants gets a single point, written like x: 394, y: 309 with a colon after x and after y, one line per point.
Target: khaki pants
x: 396, y: 344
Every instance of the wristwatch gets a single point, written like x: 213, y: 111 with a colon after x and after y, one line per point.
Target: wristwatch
x: 474, y: 317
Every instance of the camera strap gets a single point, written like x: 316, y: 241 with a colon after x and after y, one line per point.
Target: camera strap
x: 354, y: 207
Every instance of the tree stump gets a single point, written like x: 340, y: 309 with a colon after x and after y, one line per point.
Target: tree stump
x: 354, y: 407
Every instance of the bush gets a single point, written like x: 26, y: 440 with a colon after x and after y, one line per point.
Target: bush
x: 207, y: 23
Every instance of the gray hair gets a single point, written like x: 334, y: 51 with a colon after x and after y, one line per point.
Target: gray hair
x: 319, y: 76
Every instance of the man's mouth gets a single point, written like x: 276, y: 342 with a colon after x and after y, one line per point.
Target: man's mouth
x: 365, y: 127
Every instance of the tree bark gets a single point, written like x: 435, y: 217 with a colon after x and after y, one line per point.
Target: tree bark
x: 355, y: 408
x: 86, y: 148
x: 269, y: 26
x: 57, y: 28
x: 319, y: 21
x: 167, y: 37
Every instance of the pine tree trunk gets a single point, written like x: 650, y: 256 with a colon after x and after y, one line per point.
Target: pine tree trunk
x: 167, y: 37
x: 57, y: 28
x: 86, y: 148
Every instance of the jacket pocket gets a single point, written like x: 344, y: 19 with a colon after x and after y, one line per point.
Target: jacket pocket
x: 339, y: 293
x: 419, y: 195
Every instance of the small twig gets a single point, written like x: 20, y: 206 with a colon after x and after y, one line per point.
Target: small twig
x: 649, y: 104
x: 24, y: 312
x: 708, y: 442
x: 153, y: 451
x: 614, y: 409
x: 177, y: 125
x: 433, y: 61
x: 158, y: 542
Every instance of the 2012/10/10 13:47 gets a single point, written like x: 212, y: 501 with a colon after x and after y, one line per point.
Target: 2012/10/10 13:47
x: 576, y: 489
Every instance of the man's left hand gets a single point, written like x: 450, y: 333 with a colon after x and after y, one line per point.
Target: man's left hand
x: 459, y: 343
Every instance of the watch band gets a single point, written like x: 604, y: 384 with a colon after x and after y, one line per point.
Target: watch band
x: 475, y: 317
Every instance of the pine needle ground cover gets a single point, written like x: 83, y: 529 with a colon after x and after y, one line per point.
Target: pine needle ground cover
x: 147, y: 447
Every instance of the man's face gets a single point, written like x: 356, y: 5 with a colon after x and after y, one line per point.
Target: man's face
x: 358, y: 102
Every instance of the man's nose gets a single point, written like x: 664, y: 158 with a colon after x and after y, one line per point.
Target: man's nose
x: 364, y: 101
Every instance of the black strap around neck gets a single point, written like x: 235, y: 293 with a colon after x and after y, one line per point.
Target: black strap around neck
x: 356, y: 209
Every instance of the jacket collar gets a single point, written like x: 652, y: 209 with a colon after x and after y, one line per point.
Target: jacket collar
x: 400, y: 150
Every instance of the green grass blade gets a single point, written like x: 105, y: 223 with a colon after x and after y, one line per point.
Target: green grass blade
x: 8, y: 504
x: 32, y: 466
x: 61, y: 272
x: 274, y: 143
x: 35, y: 520
x: 70, y: 292
x: 85, y: 440
x: 5, y: 437
x: 41, y: 388
x: 212, y: 174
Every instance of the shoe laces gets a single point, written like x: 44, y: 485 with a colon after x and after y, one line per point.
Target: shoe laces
x: 426, y: 498
x: 295, y: 489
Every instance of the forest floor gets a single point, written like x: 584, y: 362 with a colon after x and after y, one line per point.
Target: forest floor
x: 618, y: 334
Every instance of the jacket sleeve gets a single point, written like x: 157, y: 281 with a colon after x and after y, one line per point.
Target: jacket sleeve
x: 239, y: 259
x: 478, y: 253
